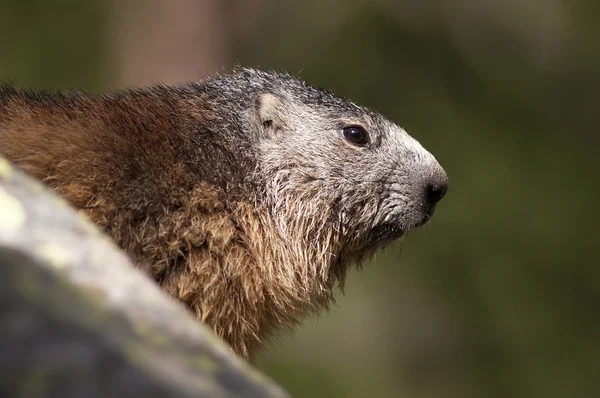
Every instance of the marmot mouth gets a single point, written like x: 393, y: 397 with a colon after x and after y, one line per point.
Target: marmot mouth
x: 424, y: 220
x: 381, y: 236
x: 387, y: 232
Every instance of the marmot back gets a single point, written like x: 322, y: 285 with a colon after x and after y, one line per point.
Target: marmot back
x: 246, y: 196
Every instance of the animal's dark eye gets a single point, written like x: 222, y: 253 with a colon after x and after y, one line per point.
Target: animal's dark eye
x: 356, y: 135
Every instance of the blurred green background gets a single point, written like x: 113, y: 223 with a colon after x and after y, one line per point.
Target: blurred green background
x: 500, y: 295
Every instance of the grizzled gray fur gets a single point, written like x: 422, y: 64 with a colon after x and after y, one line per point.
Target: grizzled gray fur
x: 246, y: 196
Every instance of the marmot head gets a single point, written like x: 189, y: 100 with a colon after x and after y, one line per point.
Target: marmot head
x: 335, y: 174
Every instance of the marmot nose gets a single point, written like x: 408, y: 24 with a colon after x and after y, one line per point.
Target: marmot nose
x: 436, y: 187
x: 435, y: 192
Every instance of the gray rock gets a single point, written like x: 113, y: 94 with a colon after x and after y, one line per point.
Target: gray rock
x: 79, y: 320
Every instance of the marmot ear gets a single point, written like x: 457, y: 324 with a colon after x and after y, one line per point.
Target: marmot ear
x: 269, y: 112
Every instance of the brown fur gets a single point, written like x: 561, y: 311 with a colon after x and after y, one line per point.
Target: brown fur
x: 247, y: 257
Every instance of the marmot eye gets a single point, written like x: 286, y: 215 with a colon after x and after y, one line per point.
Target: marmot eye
x: 356, y: 135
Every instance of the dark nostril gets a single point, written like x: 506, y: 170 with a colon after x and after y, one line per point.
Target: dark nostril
x: 436, y: 191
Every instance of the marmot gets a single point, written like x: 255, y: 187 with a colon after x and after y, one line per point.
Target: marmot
x: 246, y: 196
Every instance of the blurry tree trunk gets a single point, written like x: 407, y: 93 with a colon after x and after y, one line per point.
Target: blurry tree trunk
x: 173, y: 41
x: 167, y: 40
